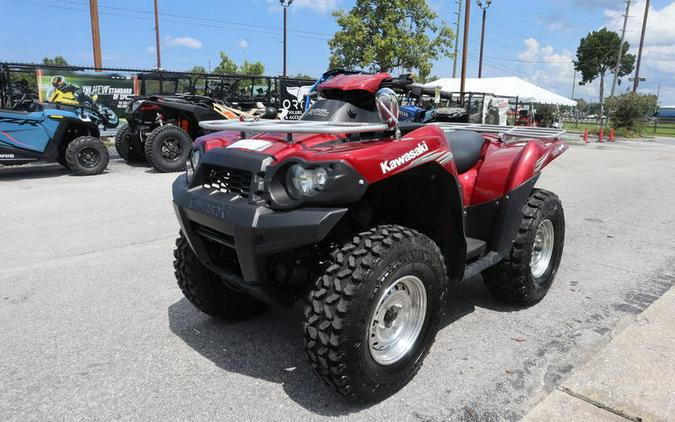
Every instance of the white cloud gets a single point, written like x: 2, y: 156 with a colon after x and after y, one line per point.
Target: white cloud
x: 552, y: 70
x: 150, y: 49
x: 243, y: 44
x: 188, y: 42
x: 318, y: 6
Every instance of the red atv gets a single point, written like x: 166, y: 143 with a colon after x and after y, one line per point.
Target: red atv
x: 369, y: 221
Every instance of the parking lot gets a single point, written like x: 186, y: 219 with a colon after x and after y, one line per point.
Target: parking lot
x: 94, y: 326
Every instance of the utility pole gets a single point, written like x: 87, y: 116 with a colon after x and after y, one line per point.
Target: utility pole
x: 95, y: 33
x: 619, y: 56
x: 159, y: 56
x: 459, y: 16
x: 285, y: 4
x: 574, y: 81
x: 482, y: 35
x: 465, y: 50
x: 636, y: 82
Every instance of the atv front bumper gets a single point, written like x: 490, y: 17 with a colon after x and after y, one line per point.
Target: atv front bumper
x: 254, y: 231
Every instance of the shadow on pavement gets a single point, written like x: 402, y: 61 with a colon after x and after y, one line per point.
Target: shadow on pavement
x: 270, y: 347
x: 33, y: 171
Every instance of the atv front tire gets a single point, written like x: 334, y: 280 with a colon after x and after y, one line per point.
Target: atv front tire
x: 371, y: 317
x: 87, y: 156
x: 206, y: 291
x: 124, y: 145
x: 167, y: 148
x: 526, y: 274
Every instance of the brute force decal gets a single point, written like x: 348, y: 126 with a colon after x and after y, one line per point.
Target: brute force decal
x: 391, y: 165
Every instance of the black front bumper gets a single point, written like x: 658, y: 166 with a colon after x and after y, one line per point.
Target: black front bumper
x: 254, y: 231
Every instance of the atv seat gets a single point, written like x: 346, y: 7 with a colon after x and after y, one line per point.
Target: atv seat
x: 465, y: 147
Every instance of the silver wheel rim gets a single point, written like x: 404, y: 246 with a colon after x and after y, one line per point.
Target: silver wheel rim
x: 398, y: 320
x: 542, y: 250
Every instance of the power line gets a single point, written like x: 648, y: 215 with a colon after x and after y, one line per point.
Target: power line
x: 205, y: 19
x: 225, y: 24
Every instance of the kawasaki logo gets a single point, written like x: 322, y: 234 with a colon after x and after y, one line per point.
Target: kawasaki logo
x: 6, y: 155
x: 391, y: 165
x: 321, y: 112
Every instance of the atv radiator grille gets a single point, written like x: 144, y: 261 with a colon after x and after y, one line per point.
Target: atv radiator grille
x: 229, y: 180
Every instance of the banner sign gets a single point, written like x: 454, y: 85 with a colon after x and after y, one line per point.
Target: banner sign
x: 111, y: 90
x: 292, y: 95
x: 495, y: 110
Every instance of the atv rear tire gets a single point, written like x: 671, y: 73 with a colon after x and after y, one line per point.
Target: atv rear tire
x: 124, y: 146
x: 526, y: 274
x: 167, y: 148
x: 368, y: 297
x: 206, y: 291
x: 87, y: 156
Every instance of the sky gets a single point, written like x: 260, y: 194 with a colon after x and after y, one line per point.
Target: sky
x: 532, y: 39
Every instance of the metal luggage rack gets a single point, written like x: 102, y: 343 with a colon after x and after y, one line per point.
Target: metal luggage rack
x: 335, y: 128
x: 293, y: 126
x: 505, y: 131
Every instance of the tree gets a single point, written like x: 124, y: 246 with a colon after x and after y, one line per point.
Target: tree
x: 630, y: 111
x: 596, y: 55
x: 303, y: 76
x: 227, y: 66
x: 197, y: 69
x: 381, y: 35
x: 582, y: 105
x: 253, y: 69
x: 56, y: 61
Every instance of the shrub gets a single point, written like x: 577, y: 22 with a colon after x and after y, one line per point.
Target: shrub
x: 629, y: 112
x: 546, y: 113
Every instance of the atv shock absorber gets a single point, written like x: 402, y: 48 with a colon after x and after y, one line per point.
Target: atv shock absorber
x: 184, y: 124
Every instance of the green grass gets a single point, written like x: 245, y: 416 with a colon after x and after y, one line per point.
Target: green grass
x: 662, y: 129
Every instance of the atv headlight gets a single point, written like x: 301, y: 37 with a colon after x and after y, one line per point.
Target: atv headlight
x: 297, y: 182
x: 301, y: 181
x: 193, y: 162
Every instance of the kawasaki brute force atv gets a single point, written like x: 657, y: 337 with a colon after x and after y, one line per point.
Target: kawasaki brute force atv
x: 161, y: 128
x: 53, y: 133
x: 368, y: 221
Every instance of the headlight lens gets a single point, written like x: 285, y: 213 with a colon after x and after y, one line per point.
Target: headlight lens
x: 195, y: 157
x: 193, y: 162
x: 306, y: 182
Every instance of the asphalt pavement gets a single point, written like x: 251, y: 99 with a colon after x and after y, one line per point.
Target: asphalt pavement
x: 93, y: 326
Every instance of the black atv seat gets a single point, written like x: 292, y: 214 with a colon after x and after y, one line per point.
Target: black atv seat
x: 465, y: 147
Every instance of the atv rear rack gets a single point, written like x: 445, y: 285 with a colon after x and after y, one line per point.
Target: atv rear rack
x: 335, y: 128
x: 505, y: 131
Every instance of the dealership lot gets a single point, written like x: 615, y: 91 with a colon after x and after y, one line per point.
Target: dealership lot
x: 94, y: 326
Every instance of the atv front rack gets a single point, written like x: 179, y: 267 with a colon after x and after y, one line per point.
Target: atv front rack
x: 335, y: 128
x: 293, y: 126
x: 505, y: 131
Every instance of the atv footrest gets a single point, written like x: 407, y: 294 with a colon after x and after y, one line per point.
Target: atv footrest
x: 482, y: 264
x: 475, y: 248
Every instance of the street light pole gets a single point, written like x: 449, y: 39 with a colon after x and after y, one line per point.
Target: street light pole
x: 482, y: 34
x: 459, y: 17
x: 465, y: 50
x: 285, y: 4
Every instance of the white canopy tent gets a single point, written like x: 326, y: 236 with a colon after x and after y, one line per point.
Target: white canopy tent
x: 510, y: 86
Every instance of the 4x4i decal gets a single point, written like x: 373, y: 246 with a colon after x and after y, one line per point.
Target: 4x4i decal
x: 390, y: 165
